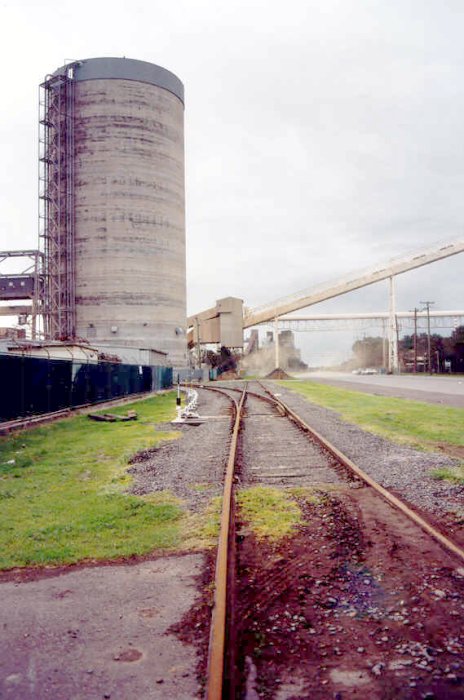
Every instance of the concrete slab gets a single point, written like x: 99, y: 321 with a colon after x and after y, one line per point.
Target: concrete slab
x: 100, y: 632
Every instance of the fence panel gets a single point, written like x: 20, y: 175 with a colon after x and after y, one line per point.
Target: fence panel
x: 32, y: 385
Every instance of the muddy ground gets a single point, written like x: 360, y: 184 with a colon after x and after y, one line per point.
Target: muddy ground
x: 372, y: 608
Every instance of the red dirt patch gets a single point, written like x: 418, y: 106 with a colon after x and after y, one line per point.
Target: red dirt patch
x: 358, y: 604
x: 451, y: 450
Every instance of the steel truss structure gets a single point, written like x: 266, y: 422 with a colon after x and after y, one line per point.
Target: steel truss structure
x: 439, y: 320
x: 26, y: 285
x: 56, y: 203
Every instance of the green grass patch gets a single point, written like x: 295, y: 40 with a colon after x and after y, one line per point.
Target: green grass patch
x: 401, y: 420
x: 201, y: 530
x: 62, y: 490
x: 270, y: 513
x: 453, y: 474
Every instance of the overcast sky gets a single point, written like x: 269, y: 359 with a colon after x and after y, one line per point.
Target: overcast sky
x: 321, y: 135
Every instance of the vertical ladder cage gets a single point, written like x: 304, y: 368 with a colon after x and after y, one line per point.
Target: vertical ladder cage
x: 56, y: 203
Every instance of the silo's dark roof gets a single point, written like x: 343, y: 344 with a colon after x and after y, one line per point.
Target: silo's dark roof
x: 125, y: 69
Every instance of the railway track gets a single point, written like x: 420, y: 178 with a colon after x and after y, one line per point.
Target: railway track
x: 364, y: 599
x: 12, y: 426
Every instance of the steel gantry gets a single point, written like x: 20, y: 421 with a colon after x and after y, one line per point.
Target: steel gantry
x: 56, y: 202
x: 361, y: 321
x: 25, y: 285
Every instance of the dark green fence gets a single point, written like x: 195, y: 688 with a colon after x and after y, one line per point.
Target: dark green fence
x: 30, y: 385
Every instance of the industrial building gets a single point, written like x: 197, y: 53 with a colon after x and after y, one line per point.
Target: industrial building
x: 111, y: 269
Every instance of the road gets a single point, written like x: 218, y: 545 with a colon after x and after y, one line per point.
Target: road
x: 446, y: 390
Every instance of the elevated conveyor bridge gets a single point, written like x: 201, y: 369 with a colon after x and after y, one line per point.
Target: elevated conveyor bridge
x: 355, y: 280
x: 200, y: 325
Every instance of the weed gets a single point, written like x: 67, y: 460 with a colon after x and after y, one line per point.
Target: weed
x: 201, y: 530
x: 453, y: 474
x: 270, y: 513
x: 307, y: 493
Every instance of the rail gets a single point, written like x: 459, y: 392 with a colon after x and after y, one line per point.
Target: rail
x: 346, y: 462
x: 216, y: 687
x: 38, y: 419
x: 222, y: 594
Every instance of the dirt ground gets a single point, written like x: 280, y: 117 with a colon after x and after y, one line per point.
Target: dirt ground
x: 371, y: 609
x: 100, y: 632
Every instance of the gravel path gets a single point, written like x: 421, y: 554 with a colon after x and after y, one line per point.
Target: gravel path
x: 396, y: 467
x: 191, y: 467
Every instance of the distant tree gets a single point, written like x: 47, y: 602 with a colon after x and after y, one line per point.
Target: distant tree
x: 368, y: 352
x: 457, y: 356
x: 458, y: 335
x: 450, y: 349
x: 407, y: 342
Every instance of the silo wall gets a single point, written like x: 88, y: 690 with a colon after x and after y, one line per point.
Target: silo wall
x: 129, y: 211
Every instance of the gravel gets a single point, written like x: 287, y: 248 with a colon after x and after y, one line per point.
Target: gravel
x: 396, y: 467
x: 191, y: 467
x: 277, y: 453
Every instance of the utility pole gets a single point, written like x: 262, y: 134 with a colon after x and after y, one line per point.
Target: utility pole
x: 197, y: 326
x: 415, y: 339
x: 384, y: 344
x: 427, y: 305
x: 276, y: 341
x: 392, y: 330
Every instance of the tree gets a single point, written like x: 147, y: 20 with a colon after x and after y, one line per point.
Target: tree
x: 450, y: 349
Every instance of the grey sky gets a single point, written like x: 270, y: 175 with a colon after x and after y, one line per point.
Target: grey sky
x: 321, y: 136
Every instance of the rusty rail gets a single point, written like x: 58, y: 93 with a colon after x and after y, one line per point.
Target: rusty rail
x: 218, y: 685
x: 38, y: 419
x: 346, y: 462
x: 217, y: 640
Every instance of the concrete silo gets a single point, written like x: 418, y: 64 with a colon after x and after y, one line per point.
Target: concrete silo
x: 112, y: 205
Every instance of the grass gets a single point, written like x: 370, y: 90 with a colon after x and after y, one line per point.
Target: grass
x: 269, y: 512
x: 62, y: 491
x: 453, y: 474
x: 201, y: 530
x: 401, y: 420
